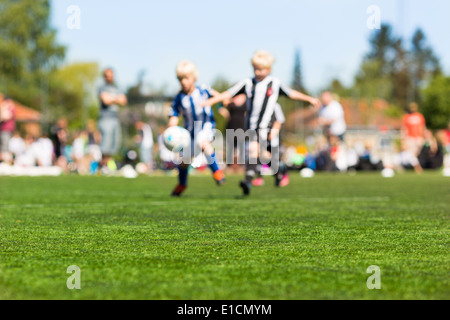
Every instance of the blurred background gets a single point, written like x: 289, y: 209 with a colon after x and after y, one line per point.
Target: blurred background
x: 377, y: 58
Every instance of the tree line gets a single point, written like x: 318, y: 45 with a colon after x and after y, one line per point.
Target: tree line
x: 400, y: 73
x: 33, y: 70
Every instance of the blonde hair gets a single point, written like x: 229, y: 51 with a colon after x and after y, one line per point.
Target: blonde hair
x: 263, y: 59
x: 185, y: 68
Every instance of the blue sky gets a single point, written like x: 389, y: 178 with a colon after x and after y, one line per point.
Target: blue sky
x: 221, y: 36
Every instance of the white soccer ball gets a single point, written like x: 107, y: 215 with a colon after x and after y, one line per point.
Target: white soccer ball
x: 388, y: 173
x: 176, y: 139
x: 446, y: 172
x: 128, y: 172
x: 307, y: 173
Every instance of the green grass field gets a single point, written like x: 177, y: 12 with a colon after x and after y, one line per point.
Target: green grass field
x: 312, y: 240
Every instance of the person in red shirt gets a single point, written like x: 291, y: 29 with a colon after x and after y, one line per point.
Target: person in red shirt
x: 7, y: 125
x: 413, y: 128
x: 447, y: 138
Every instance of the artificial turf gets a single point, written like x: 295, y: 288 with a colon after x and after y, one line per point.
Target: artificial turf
x: 312, y: 240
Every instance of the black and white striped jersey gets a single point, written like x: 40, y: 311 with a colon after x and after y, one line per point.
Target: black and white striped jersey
x: 262, y: 100
x: 278, y: 115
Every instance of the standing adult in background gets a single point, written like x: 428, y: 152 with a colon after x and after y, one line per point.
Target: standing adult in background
x: 111, y: 99
x: 413, y: 128
x: 331, y: 117
x: 7, y: 125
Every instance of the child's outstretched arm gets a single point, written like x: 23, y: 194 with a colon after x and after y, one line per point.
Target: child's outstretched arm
x: 296, y: 95
x: 219, y: 97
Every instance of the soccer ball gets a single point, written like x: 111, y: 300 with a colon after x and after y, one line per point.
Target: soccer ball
x: 176, y: 139
x: 446, y: 172
x: 388, y: 173
x: 307, y: 173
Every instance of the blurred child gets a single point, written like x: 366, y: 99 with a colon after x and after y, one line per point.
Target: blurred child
x: 27, y: 158
x: 144, y: 138
x: 16, y: 145
x: 431, y: 155
x: 45, y: 155
x: 276, y: 122
x: 262, y: 93
x: 79, y: 152
x: 187, y: 104
x: 406, y: 159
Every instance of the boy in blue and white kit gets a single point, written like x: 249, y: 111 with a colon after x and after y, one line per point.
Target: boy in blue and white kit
x: 198, y: 120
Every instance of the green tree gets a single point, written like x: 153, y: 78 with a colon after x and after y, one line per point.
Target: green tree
x: 28, y: 48
x: 436, y: 103
x: 297, y: 79
x: 382, y: 50
x: 424, y: 64
x: 220, y: 84
x: 74, y: 93
x: 370, y: 84
x: 374, y: 79
x: 401, y: 76
x: 134, y: 93
x: 337, y: 87
x: 394, y: 72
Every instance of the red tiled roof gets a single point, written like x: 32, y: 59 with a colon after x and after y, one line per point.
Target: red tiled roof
x: 357, y: 114
x: 25, y: 114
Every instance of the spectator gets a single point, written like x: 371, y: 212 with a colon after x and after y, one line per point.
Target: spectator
x: 338, y: 153
x: 331, y: 117
x: 432, y: 154
x: 446, y: 138
x: 60, y: 135
x: 324, y: 160
x: 7, y: 125
x: 352, y: 158
x: 368, y: 160
x: 110, y: 99
x: 79, y: 154
x: 406, y: 159
x: 44, y: 152
x: 413, y: 127
x: 16, y: 145
x: 145, y: 139
x: 28, y: 156
x: 93, y: 150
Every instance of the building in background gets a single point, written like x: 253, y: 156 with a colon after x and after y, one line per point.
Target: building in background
x: 28, y: 121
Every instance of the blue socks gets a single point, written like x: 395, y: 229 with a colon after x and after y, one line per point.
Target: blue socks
x: 212, y: 162
x: 183, y: 176
x: 183, y: 173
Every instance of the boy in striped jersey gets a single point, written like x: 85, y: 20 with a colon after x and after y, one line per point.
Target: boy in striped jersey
x: 198, y: 120
x: 274, y: 145
x: 262, y: 93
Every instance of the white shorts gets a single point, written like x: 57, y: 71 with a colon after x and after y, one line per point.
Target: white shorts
x: 206, y: 135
